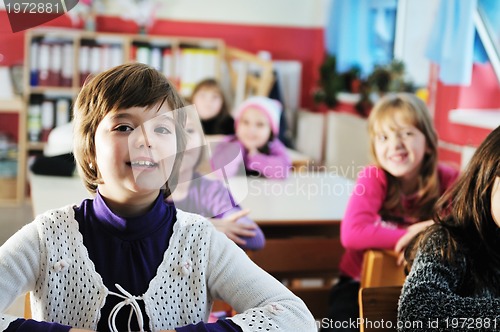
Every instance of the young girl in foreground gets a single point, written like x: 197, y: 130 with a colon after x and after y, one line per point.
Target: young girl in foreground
x: 126, y: 260
x: 257, y: 126
x: 394, y: 197
x: 455, y: 265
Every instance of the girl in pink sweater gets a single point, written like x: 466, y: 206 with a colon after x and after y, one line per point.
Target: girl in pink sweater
x: 398, y: 193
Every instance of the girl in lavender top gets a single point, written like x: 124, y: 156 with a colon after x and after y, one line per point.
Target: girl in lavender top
x: 127, y: 260
x: 209, y: 197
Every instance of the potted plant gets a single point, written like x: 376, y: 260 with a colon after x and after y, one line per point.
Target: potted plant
x: 336, y: 88
x: 383, y: 79
x: 330, y: 83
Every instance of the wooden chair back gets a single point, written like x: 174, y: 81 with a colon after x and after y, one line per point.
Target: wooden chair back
x: 244, y: 81
x: 380, y: 269
x: 221, y: 306
x: 377, y: 305
x: 27, y: 306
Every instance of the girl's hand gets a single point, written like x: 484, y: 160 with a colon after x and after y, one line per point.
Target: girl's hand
x: 234, y: 230
x: 411, y: 232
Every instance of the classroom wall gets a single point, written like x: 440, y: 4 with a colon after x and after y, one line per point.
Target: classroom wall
x: 483, y: 92
x: 285, y: 13
x: 289, y: 29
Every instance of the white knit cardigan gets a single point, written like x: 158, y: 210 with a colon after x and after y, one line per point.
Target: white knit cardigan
x: 48, y: 258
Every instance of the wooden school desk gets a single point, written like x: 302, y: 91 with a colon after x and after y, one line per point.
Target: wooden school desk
x: 303, y: 198
x: 300, y: 217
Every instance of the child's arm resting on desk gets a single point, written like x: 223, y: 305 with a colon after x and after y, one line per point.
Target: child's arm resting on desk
x: 19, y: 264
x: 231, y: 219
x: 240, y: 228
x: 362, y: 227
x: 260, y: 300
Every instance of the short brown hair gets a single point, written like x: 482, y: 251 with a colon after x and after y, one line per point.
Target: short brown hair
x: 124, y: 86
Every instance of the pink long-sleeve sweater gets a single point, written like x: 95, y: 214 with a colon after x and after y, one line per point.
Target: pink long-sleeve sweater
x: 363, y: 228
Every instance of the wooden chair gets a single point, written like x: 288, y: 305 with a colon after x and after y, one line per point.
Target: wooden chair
x: 244, y: 81
x: 377, y: 305
x: 290, y: 260
x: 380, y: 269
x: 27, y: 306
x: 221, y: 306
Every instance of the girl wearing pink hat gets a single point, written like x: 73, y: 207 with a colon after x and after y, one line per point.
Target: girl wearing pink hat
x: 256, y: 126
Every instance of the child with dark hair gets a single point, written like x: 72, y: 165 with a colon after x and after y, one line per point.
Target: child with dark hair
x: 455, y: 264
x: 208, y: 97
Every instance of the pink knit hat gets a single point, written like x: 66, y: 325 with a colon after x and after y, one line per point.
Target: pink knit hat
x: 270, y: 107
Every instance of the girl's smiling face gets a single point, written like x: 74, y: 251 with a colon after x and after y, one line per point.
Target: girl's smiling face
x: 253, y: 129
x: 400, y: 148
x: 135, y: 152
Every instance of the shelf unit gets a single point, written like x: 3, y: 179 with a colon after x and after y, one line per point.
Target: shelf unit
x: 59, y: 60
x: 12, y: 185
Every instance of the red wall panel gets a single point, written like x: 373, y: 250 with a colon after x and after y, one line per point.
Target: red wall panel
x: 451, y: 158
x: 12, y: 44
x: 8, y: 124
x: 483, y: 92
x: 285, y: 43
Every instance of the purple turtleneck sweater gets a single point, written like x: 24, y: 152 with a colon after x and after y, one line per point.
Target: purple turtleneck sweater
x: 125, y: 251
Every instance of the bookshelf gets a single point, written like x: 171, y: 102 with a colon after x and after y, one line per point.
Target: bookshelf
x: 58, y: 61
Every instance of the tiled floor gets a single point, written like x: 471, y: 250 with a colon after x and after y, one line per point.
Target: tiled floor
x: 12, y: 219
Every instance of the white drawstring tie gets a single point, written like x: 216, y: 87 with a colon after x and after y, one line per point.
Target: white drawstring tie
x: 128, y: 299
